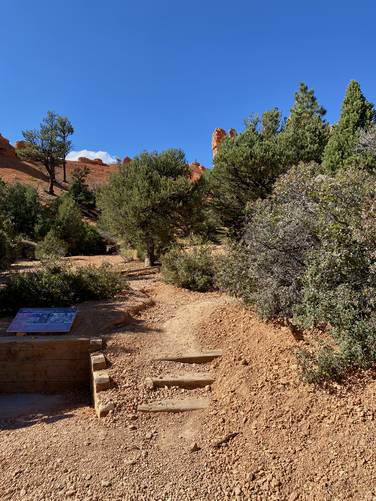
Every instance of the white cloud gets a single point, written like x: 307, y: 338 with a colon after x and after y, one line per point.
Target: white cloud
x: 103, y: 155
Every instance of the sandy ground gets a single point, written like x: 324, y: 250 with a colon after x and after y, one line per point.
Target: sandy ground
x: 290, y: 441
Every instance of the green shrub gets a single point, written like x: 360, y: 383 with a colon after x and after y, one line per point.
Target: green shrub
x: 5, y: 250
x: 339, y: 284
x: 189, y: 268
x: 51, y: 247
x: 20, y: 205
x: 266, y: 267
x: 92, y: 244
x: 308, y: 254
x: 232, y: 273
x: 57, y: 284
x: 79, y: 188
x: 69, y: 225
x: 80, y: 237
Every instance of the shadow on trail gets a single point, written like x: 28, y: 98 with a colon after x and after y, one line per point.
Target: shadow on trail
x: 135, y: 326
x: 22, y: 410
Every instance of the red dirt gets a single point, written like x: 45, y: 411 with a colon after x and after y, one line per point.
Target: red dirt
x: 293, y: 442
x: 14, y: 169
x: 31, y: 173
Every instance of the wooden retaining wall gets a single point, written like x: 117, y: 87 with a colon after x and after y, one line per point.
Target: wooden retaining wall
x: 45, y: 363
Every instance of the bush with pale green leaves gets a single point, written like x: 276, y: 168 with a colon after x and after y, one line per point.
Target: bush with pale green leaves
x: 57, y: 284
x: 190, y: 268
x: 307, y: 255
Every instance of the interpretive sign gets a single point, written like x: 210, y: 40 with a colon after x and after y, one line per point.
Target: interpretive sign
x: 52, y: 320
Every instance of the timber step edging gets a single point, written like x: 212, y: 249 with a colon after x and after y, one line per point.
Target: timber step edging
x: 188, y: 381
x: 100, y: 381
x: 175, y: 405
x: 192, y: 358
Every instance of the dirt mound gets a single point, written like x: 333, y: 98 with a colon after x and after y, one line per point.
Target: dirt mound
x: 294, y: 441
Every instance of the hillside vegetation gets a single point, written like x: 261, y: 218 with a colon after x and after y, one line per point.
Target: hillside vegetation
x: 291, y: 200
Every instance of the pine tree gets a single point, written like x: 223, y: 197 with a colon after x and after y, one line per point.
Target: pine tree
x: 357, y: 114
x: 150, y: 201
x: 49, y: 144
x: 65, y: 130
x: 245, y: 169
x: 306, y: 133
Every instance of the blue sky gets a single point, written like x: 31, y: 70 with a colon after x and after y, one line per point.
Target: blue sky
x: 153, y: 74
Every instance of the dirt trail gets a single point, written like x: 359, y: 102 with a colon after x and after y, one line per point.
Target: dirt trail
x: 179, y: 333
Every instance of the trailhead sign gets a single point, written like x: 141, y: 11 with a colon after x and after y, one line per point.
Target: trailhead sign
x: 44, y: 320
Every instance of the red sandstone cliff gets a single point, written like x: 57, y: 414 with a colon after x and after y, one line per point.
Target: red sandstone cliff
x: 96, y: 161
x: 6, y: 149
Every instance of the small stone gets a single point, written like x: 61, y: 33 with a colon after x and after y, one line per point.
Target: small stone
x: 132, y: 427
x: 105, y: 409
x: 275, y: 483
x: 237, y: 491
x: 70, y: 493
x: 194, y: 447
x: 88, y: 476
x: 293, y: 496
x: 105, y: 483
x: 149, y: 436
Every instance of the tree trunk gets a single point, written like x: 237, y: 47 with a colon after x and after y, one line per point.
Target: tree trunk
x: 51, y: 188
x: 51, y: 173
x: 149, y: 256
x: 64, y: 171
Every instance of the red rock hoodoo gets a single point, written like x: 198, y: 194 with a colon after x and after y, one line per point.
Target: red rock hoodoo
x: 218, y: 136
x: 20, y: 145
x: 127, y: 160
x: 196, y: 170
x: 6, y: 149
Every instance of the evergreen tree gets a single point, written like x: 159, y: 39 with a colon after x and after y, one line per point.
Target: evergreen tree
x: 80, y: 189
x: 149, y: 203
x: 245, y: 169
x: 49, y: 144
x: 69, y: 226
x: 306, y: 133
x: 65, y: 130
x: 356, y: 114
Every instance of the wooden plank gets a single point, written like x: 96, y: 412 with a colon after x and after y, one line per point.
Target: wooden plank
x: 175, y: 405
x: 62, y: 338
x: 188, y: 381
x: 45, y: 370
x: 19, y: 349
x: 193, y: 358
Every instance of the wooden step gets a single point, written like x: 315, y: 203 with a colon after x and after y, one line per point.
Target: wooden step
x: 188, y: 381
x: 193, y: 358
x: 175, y: 405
